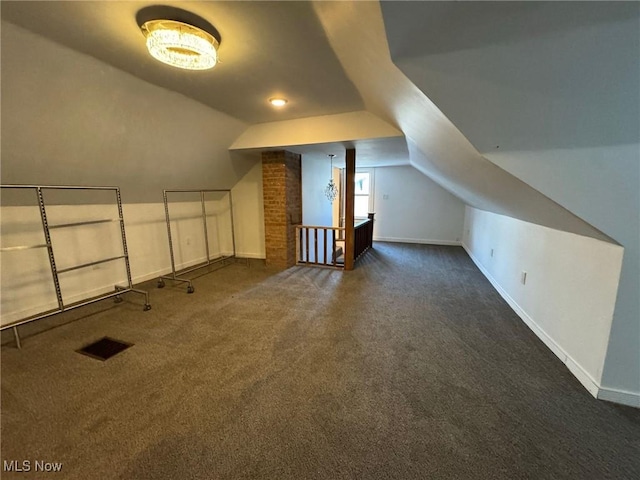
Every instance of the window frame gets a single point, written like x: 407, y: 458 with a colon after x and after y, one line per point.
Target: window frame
x: 371, y: 195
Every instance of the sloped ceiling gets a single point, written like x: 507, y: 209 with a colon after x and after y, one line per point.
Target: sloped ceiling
x: 326, y: 57
x: 497, y: 71
x: 436, y: 147
x: 267, y: 49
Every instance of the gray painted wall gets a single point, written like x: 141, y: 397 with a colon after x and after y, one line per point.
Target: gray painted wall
x: 70, y: 119
x: 524, y: 75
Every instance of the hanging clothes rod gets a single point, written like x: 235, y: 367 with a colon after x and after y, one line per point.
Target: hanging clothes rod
x: 23, y: 247
x: 90, y: 222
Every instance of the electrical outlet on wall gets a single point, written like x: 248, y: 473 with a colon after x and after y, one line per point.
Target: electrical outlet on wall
x: 385, y: 197
x: 523, y: 278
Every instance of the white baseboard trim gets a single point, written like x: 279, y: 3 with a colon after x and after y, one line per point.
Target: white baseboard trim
x: 167, y: 271
x: 8, y: 318
x: 632, y: 399
x: 11, y: 317
x: 417, y: 240
x: 29, y: 312
x: 592, y: 386
x: 151, y: 276
x: 94, y: 292
x: 257, y: 256
x: 582, y: 375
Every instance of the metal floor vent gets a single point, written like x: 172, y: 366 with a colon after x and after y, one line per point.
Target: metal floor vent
x: 105, y: 348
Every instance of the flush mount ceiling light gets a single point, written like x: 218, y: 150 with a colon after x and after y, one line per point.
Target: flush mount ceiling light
x: 278, y: 102
x: 180, y: 44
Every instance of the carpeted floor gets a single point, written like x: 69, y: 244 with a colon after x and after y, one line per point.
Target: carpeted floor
x: 411, y: 366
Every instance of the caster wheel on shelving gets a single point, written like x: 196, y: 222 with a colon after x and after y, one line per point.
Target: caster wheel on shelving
x: 118, y: 300
x: 147, y: 307
x: 161, y: 283
x: 190, y: 289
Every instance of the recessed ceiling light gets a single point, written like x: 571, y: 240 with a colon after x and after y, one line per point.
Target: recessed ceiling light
x: 278, y: 102
x: 181, y: 45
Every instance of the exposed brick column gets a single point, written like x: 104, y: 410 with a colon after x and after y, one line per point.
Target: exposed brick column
x: 282, y: 192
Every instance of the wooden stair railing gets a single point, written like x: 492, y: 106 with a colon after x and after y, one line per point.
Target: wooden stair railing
x: 320, y: 246
x: 363, y: 236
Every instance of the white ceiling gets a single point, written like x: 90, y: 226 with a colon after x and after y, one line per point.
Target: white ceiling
x: 267, y: 49
x: 378, y: 152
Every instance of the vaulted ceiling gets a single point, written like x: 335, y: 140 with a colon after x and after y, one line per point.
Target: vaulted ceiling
x: 267, y: 49
x: 399, y: 61
x: 524, y: 75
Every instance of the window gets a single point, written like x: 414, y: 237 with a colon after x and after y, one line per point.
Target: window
x: 363, y: 193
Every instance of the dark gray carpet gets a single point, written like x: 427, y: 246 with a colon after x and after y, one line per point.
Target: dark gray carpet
x: 411, y: 366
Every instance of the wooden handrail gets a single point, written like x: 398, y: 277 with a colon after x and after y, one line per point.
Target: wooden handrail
x: 310, y: 252
x: 363, y: 237
x: 364, y: 222
x: 312, y: 243
x: 317, y: 227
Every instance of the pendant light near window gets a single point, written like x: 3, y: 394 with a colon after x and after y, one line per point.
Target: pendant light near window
x: 331, y: 191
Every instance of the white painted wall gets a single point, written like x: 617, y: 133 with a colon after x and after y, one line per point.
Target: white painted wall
x: 602, y: 185
x: 316, y: 208
x: 25, y: 281
x: 410, y: 207
x: 248, y: 219
x: 570, y: 292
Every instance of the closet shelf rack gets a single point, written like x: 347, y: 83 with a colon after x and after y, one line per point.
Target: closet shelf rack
x: 176, y: 275
x: 55, y: 272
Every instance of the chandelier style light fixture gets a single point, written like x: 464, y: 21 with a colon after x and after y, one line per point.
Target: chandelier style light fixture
x: 331, y: 191
x: 181, y: 45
